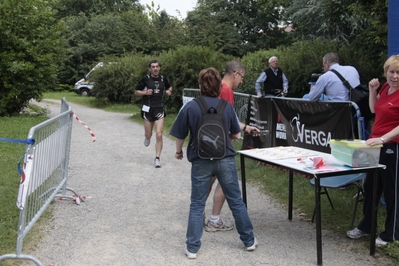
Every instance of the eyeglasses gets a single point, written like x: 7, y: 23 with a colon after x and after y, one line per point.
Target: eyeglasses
x: 242, y: 77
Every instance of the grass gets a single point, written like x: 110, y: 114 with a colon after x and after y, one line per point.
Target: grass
x: 271, y: 181
x: 10, y: 155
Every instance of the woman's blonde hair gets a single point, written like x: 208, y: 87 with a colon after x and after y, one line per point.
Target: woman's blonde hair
x: 391, y: 61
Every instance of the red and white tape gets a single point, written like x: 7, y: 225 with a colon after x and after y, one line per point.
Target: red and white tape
x: 83, y: 124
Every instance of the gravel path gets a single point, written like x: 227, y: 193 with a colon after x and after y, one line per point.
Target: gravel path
x: 137, y: 215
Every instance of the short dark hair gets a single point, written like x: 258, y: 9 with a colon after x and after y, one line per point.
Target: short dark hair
x: 331, y: 58
x: 210, y: 82
x: 153, y: 62
x: 233, y: 66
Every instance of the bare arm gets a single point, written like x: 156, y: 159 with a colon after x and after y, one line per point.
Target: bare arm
x: 235, y: 136
x: 179, y: 149
x: 393, y: 134
x: 142, y: 93
x: 248, y: 129
x: 374, y: 84
x: 169, y: 91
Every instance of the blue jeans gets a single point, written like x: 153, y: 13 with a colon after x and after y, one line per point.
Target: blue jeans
x: 226, y: 173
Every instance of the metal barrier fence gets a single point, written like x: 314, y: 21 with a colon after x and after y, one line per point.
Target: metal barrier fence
x: 241, y: 107
x: 44, y: 175
x: 240, y: 101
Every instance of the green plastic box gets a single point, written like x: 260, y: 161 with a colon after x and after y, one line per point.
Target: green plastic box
x: 355, y: 153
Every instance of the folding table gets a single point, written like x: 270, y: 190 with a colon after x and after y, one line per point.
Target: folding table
x: 291, y: 159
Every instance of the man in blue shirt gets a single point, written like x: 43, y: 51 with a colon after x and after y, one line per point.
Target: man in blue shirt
x: 273, y: 79
x: 330, y: 84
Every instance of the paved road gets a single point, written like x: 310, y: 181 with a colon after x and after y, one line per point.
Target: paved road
x: 137, y: 215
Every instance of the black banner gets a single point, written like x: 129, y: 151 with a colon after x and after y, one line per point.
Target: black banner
x: 297, y: 122
x: 260, y: 116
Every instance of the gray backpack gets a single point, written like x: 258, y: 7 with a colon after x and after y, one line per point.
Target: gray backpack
x: 210, y: 137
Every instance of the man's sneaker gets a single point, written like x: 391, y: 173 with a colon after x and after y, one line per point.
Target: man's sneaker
x: 219, y: 226
x: 147, y: 142
x: 380, y: 243
x: 189, y: 254
x: 356, y: 233
x: 157, y: 163
x: 253, y: 247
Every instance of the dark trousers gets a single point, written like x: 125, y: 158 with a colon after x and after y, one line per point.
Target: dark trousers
x: 388, y: 185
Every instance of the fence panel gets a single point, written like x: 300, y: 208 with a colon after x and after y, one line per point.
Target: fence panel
x: 240, y: 101
x: 45, y: 172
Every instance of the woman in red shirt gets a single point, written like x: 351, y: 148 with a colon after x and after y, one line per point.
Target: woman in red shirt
x: 384, y: 103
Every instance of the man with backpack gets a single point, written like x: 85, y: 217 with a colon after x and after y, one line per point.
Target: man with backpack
x: 203, y: 152
x: 153, y: 88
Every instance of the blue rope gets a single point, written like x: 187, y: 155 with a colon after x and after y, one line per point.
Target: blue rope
x: 29, y: 141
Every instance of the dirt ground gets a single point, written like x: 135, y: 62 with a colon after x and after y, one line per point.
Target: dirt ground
x: 136, y: 214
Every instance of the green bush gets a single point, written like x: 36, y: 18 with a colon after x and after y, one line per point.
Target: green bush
x: 116, y: 82
x: 182, y: 66
x: 31, y: 49
x: 297, y: 61
x: 303, y: 58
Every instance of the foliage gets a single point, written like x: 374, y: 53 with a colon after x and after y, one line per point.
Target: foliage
x: 181, y: 66
x: 333, y: 19
x: 90, y: 39
x: 359, y: 25
x: 68, y: 8
x: 30, y: 51
x: 116, y: 81
x: 237, y: 27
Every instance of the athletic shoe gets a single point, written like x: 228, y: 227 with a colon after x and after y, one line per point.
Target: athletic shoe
x: 189, y: 254
x: 253, y: 247
x: 356, y: 233
x: 147, y: 142
x: 219, y: 226
x: 380, y: 243
x: 157, y: 163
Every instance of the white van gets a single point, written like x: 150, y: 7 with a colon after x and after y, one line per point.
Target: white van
x: 84, y: 86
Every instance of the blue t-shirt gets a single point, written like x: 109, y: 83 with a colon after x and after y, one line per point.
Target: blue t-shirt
x: 188, y: 118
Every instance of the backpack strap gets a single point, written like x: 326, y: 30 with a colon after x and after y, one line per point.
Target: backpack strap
x: 202, y: 104
x: 205, y: 109
x: 220, y: 108
x: 344, y: 81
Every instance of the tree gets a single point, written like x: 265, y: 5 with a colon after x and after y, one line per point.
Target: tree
x: 360, y: 25
x: 68, y: 8
x: 30, y: 52
x: 340, y: 20
x: 90, y: 39
x: 238, y: 27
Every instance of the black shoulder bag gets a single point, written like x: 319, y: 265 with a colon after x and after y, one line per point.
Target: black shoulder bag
x: 358, y: 95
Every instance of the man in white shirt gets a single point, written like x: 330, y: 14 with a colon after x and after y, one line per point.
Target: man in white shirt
x: 330, y: 84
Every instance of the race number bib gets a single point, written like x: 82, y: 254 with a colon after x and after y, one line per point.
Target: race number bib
x: 145, y: 108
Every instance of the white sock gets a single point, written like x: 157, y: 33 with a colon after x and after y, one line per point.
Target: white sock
x: 214, y: 218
